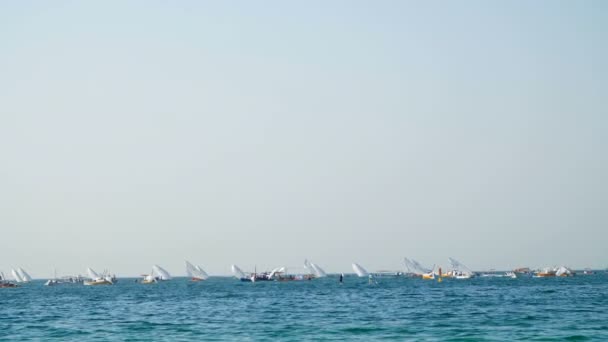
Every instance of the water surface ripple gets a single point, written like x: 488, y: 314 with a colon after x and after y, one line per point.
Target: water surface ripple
x: 394, y: 309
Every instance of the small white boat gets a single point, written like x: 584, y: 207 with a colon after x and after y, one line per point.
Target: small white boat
x: 509, y: 274
x: 460, y: 271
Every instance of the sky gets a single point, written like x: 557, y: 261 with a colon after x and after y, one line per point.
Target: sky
x: 135, y: 133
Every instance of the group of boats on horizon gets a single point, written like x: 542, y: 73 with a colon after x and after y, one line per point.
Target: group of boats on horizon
x: 310, y: 271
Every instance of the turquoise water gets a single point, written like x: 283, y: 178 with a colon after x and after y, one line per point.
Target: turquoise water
x: 394, y: 309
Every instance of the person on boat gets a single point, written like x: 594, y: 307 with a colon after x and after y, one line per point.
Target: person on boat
x: 341, y: 277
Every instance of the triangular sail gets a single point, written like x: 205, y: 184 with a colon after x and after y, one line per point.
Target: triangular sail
x: 161, y: 272
x: 238, y: 273
x: 16, y: 276
x: 562, y: 270
x: 24, y: 275
x: 92, y: 274
x: 201, y: 273
x: 359, y: 270
x: 319, y: 272
x: 308, y: 267
x: 275, y: 271
x: 414, y: 267
x: 195, y: 271
x: 314, y: 269
x: 190, y: 269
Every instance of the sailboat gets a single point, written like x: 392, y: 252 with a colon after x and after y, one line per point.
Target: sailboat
x: 433, y: 273
x: 16, y: 276
x: 158, y: 274
x: 4, y: 283
x: 415, y: 269
x: 253, y: 277
x: 545, y: 272
x: 564, y: 271
x: 25, y: 277
x: 97, y: 279
x: 314, y: 269
x: 460, y: 271
x: 195, y: 273
x: 359, y: 270
x: 64, y: 280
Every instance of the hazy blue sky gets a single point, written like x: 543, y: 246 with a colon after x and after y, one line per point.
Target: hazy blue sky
x: 134, y: 133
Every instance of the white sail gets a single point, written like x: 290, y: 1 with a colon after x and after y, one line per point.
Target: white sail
x: 308, y: 267
x: 360, y: 271
x: 237, y: 272
x: 24, y: 275
x: 201, y: 273
x: 161, y: 273
x: 319, y: 272
x: 195, y: 271
x: 190, y: 269
x: 16, y: 276
x: 275, y: 271
x: 314, y: 269
x: 563, y: 271
x: 92, y: 274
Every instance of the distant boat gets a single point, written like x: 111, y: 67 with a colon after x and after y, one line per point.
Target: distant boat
x: 281, y: 274
x: 195, y: 273
x: 523, y: 270
x: 16, y: 276
x: 433, y: 273
x: 564, y: 271
x: 253, y: 277
x: 97, y: 279
x: 5, y: 283
x: 359, y: 270
x: 158, y: 274
x: 491, y: 274
x: 63, y: 280
x: 588, y: 271
x: 314, y: 269
x: 21, y: 276
x: 414, y: 268
x: 459, y: 271
x: 545, y: 272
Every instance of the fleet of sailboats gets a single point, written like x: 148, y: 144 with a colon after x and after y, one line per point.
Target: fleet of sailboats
x: 311, y: 270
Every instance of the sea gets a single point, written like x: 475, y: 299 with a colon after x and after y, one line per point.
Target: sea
x: 389, y: 308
